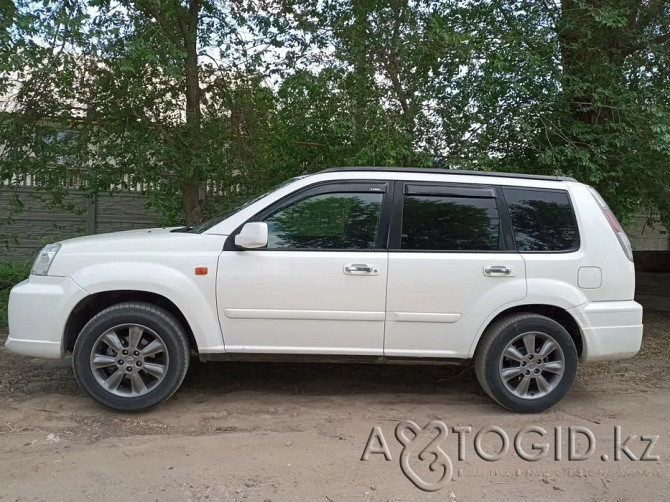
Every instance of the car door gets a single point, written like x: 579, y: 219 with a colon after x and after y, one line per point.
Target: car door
x: 452, y: 263
x: 319, y: 286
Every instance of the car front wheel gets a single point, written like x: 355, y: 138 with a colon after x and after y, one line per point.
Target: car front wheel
x: 526, y: 362
x: 131, y: 356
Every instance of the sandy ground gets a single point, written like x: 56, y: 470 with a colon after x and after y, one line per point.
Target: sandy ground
x: 279, y: 432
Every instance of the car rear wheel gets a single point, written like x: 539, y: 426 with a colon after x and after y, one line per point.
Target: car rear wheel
x: 526, y: 362
x: 131, y: 356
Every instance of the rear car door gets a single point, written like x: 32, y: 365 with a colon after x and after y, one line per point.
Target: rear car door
x: 452, y: 263
x: 319, y: 287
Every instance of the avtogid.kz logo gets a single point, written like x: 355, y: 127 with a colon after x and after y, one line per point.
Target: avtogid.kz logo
x: 426, y: 445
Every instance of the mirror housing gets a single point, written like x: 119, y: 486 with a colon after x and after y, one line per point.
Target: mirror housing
x: 253, y: 235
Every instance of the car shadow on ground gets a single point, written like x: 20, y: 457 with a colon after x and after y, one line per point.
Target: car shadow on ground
x: 328, y: 378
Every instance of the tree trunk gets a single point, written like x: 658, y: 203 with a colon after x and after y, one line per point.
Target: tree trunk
x: 394, y: 65
x: 593, y: 77
x: 190, y: 189
x: 361, y: 71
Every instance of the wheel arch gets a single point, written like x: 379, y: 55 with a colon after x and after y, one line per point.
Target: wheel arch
x: 558, y: 314
x: 95, y: 303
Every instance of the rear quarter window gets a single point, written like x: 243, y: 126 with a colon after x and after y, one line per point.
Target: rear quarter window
x: 542, y: 220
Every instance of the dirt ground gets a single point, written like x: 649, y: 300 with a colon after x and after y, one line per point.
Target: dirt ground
x: 280, y: 432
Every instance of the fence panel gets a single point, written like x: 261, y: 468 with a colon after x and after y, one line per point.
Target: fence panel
x: 38, y: 224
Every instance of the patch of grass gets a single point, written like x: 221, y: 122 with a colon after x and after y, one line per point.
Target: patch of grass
x: 10, y: 274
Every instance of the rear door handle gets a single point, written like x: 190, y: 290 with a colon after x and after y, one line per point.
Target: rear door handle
x: 360, y: 269
x: 497, y: 270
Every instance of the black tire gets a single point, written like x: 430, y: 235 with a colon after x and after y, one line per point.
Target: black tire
x: 161, y: 326
x: 489, y: 368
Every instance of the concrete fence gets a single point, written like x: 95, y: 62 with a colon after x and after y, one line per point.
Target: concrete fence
x: 38, y: 224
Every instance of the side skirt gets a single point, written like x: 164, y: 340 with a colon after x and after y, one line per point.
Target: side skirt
x: 316, y: 358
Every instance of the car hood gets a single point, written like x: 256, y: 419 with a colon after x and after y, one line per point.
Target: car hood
x: 138, y: 241
x: 126, y: 234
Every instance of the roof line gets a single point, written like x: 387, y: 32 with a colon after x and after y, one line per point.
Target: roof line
x: 432, y: 170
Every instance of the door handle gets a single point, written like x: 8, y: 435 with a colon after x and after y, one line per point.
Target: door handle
x: 497, y: 270
x: 360, y: 269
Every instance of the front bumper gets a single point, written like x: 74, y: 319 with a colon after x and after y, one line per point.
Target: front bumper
x: 38, y: 310
x: 611, y: 330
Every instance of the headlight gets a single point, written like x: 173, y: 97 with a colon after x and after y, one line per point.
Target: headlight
x: 44, y: 259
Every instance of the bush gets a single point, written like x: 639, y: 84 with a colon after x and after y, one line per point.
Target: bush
x: 10, y: 274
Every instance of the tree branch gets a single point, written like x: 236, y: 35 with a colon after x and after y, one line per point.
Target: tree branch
x: 661, y: 39
x: 152, y: 11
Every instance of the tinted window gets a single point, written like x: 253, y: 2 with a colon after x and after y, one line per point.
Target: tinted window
x: 542, y: 219
x: 450, y: 223
x: 327, y: 221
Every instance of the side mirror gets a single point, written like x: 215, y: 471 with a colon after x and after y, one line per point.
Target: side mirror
x: 252, y: 235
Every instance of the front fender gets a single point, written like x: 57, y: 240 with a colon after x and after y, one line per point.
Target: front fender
x: 194, y: 295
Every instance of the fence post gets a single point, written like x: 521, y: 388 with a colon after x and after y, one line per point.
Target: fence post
x: 91, y: 214
x: 92, y: 206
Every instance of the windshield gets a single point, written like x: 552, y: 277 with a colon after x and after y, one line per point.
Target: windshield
x: 206, y: 225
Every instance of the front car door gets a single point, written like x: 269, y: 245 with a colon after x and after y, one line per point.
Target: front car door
x: 452, y: 262
x: 319, y: 287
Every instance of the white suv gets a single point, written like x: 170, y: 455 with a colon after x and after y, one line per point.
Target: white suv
x: 523, y: 275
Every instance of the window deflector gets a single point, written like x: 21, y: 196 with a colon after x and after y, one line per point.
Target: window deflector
x: 449, y: 191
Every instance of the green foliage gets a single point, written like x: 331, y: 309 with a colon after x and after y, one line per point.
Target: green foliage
x: 610, y: 119
x: 106, y: 91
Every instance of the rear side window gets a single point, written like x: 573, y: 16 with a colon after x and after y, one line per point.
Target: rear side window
x: 542, y: 220
x: 450, y: 223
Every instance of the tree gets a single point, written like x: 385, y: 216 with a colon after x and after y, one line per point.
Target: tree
x: 599, y: 110
x: 151, y: 55
x: 208, y: 102
x: 395, y: 70
x: 142, y: 91
x: 614, y: 108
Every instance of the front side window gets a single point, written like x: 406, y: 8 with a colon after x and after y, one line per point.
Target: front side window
x: 542, y: 220
x: 327, y: 221
x: 450, y: 223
